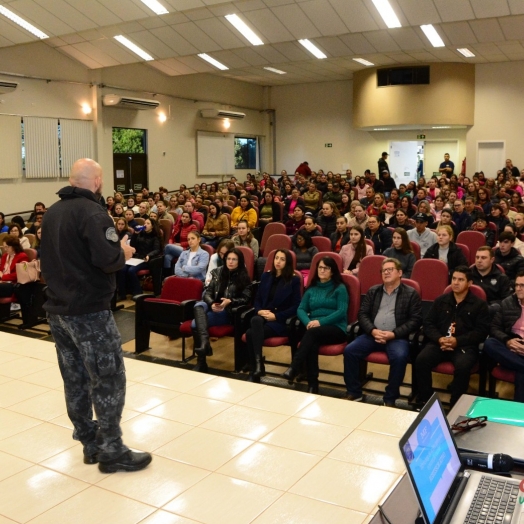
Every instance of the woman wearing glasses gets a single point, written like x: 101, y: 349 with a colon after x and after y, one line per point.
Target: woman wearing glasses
x: 323, y: 320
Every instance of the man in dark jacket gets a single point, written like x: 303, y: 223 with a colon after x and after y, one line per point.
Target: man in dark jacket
x: 506, y: 343
x: 383, y: 163
x: 461, y: 218
x: 388, y: 315
x: 455, y: 326
x: 381, y: 236
x: 507, y: 256
x: 79, y: 256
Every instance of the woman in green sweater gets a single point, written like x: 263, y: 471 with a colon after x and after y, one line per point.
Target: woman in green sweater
x: 323, y: 319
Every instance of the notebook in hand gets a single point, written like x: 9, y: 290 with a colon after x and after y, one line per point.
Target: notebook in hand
x: 446, y: 492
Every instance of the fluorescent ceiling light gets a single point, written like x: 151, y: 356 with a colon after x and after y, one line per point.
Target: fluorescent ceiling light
x: 432, y: 35
x: 382, y: 129
x: 242, y: 28
x: 133, y: 47
x: 363, y: 62
x: 156, y: 7
x: 273, y: 70
x: 312, y: 48
x: 22, y: 23
x: 466, y: 52
x: 212, y: 61
x: 386, y: 12
x: 441, y: 127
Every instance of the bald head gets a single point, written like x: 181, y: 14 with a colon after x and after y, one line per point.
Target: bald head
x: 87, y: 174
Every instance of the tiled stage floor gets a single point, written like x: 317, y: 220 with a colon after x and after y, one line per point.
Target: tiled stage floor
x: 225, y: 450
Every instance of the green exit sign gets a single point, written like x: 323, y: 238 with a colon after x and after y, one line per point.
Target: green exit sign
x: 328, y: 145
x: 421, y: 137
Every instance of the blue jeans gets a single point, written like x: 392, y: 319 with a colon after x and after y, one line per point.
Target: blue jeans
x: 170, y: 252
x: 213, y: 319
x: 501, y: 354
x: 398, y: 354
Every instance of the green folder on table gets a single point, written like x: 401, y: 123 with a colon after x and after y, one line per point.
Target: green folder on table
x: 501, y: 411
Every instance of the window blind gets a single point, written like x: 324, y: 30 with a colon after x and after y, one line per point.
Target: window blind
x: 41, y: 147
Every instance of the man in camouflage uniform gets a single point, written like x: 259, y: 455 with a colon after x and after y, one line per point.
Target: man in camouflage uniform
x: 80, y: 253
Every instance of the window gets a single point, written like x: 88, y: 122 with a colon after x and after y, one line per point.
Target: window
x: 246, y: 150
x: 127, y: 140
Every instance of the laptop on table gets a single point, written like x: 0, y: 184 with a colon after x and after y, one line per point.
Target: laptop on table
x: 446, y: 492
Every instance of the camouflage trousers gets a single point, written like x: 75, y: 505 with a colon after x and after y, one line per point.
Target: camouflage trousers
x: 91, y: 363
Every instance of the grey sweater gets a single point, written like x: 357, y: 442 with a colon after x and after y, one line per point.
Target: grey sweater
x: 406, y: 260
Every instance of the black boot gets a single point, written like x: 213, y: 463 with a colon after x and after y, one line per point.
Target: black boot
x: 259, y: 370
x: 201, y: 364
x: 204, y: 347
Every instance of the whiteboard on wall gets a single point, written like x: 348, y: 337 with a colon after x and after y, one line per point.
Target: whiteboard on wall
x: 215, y: 153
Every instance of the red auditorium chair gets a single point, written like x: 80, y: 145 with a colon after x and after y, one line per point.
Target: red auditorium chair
x: 273, y: 228
x: 472, y: 239
x: 323, y: 244
x: 369, y: 272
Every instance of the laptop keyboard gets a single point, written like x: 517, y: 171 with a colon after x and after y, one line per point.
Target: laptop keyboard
x: 494, y: 502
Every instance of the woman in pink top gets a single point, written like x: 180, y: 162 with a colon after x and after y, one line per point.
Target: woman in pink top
x: 354, y: 251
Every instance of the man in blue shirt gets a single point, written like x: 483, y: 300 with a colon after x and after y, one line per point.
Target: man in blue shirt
x: 447, y: 167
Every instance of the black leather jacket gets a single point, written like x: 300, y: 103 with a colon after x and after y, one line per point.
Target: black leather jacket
x: 211, y: 293
x: 505, y: 318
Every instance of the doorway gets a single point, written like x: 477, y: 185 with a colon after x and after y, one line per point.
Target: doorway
x: 404, y: 160
x: 130, y: 165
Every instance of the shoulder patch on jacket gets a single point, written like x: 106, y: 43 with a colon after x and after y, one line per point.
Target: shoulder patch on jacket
x: 111, y: 234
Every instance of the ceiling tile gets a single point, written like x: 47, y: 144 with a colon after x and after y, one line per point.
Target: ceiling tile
x: 334, y: 46
x: 488, y: 9
x: 454, y: 10
x: 380, y: 59
x: 41, y: 17
x: 152, y: 44
x: 358, y: 44
x: 92, y: 34
x: 115, y: 50
x: 422, y: 56
x: 121, y: 29
x: 152, y: 22
x: 406, y: 38
x: 175, y: 41
x: 73, y: 38
x: 232, y: 60
x: 250, y: 5
x: 199, y: 14
x: 81, y: 57
x: 258, y: 56
x: 163, y: 68
x: 274, y: 3
x: 486, y: 49
x: 128, y: 10
x: 325, y: 18
x: 68, y: 14
x: 516, y: 7
x: 219, y: 30
x: 487, y: 30
x: 55, y: 42
x: 292, y: 51
x: 4, y: 42
x: 444, y: 54
x: 213, y: 2
x: 381, y: 41
x: 178, y: 66
x: 401, y: 58
x: 97, y: 54
x: 512, y: 27
x: 95, y: 11
x: 355, y: 15
x: 268, y: 25
x: 459, y: 33
x: 296, y: 21
x: 225, y: 9
x: 11, y: 32
x: 175, y: 18
x: 182, y: 5
x: 195, y: 36
x: 419, y: 12
x: 197, y: 64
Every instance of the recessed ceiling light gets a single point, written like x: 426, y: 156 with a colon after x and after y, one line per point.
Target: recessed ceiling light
x: 212, y: 61
x: 441, y: 127
x: 363, y: 62
x: 244, y: 30
x: 432, y: 35
x: 466, y: 52
x: 22, y: 23
x: 386, y: 12
x: 382, y: 129
x: 156, y: 7
x: 312, y: 48
x: 133, y: 47
x: 273, y: 70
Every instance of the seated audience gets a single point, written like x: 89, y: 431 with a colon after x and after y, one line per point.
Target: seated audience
x: 518, y: 245
x: 20, y: 221
x: 277, y: 300
x: 244, y: 211
x: 389, y: 313
x: 121, y: 228
x: 296, y: 221
x: 269, y: 210
x: 143, y: 209
x: 37, y: 223
x: 118, y: 211
x: 323, y: 320
x: 455, y: 326
x: 341, y: 236
x: 496, y: 217
x: 402, y: 220
x: 230, y: 287
x: 291, y: 202
x: 217, y: 259
x: 13, y: 254
x: 39, y: 207
x: 388, y: 217
x: 4, y: 228
x: 163, y: 214
x: 16, y: 231
x: 445, y: 220
x: 378, y: 234
x: 508, y: 257
x: 216, y: 227
x: 353, y: 252
x: 402, y: 250
x: 195, y: 215
x: 304, y: 252
x: 360, y: 217
x: 327, y: 218
x: 38, y: 239
x: 378, y: 207
x: 193, y: 261
x: 310, y: 226
x: 244, y: 237
x: 505, y: 346
x: 424, y: 207
x: 178, y: 240
x: 481, y: 225
x: 423, y: 236
x: 312, y: 198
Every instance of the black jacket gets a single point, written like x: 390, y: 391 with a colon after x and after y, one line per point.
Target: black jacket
x: 512, y: 263
x: 455, y: 256
x: 496, y: 285
x: 285, y: 301
x: 408, y: 310
x: 462, y: 220
x: 505, y: 318
x: 80, y: 254
x: 471, y: 319
x: 211, y: 294
x: 146, y: 244
x: 336, y: 235
x: 328, y: 224
x: 382, y: 238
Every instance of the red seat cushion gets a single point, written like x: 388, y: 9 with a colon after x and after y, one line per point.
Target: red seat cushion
x: 142, y: 272
x: 332, y: 350
x: 221, y: 331
x: 162, y: 301
x: 8, y: 300
x: 272, y: 342
x: 447, y: 368
x: 501, y: 373
x: 378, y: 357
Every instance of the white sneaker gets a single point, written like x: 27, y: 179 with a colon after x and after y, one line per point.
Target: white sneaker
x: 15, y: 306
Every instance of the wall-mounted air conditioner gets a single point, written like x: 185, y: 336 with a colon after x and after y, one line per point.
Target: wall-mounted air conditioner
x: 127, y: 102
x: 7, y: 87
x: 222, y: 113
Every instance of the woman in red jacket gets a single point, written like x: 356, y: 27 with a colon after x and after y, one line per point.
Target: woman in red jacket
x: 178, y: 241
x: 13, y: 254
